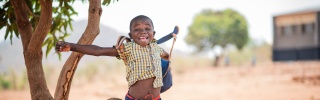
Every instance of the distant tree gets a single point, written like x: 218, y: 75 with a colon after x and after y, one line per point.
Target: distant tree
x: 41, y: 23
x: 213, y: 28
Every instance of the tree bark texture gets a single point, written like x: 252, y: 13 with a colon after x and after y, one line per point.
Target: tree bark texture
x: 70, y: 66
x: 32, y: 44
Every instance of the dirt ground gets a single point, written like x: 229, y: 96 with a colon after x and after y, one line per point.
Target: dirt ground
x: 268, y: 81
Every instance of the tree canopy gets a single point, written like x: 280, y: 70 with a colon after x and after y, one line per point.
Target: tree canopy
x: 211, y: 28
x: 62, y: 12
x: 61, y: 20
x: 41, y: 23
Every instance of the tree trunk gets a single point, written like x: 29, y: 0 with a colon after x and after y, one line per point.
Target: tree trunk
x: 69, y: 68
x: 32, y: 44
x: 220, y: 57
x: 216, y: 61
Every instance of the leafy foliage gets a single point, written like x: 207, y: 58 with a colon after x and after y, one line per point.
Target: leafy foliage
x: 4, y: 83
x: 7, y: 19
x: 211, y: 28
x: 107, y: 2
x: 62, y: 19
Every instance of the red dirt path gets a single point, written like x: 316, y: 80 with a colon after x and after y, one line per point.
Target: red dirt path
x: 270, y: 81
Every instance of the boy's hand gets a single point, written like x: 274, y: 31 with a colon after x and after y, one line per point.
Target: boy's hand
x: 174, y: 36
x: 62, y: 46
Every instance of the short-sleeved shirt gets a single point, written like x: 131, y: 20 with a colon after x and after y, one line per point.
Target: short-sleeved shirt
x: 143, y: 62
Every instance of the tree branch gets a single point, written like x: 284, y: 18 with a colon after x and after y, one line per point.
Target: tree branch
x: 69, y: 68
x: 32, y: 44
x: 29, y: 11
x: 24, y: 26
x: 43, y: 26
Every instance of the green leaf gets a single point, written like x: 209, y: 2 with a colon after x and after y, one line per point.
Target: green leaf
x: 7, y: 33
x: 66, y: 35
x: 59, y: 55
x: 15, y: 29
x: 73, y: 11
x: 65, y: 26
x: 11, y: 36
x: 49, y: 47
x: 106, y: 2
x: 70, y: 25
x: 46, y: 42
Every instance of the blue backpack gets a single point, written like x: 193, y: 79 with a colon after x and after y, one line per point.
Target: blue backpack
x: 166, y: 75
x: 165, y: 64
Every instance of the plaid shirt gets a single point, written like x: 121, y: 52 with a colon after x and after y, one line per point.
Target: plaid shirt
x: 143, y: 62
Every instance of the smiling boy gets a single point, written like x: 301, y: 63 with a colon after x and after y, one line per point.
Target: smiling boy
x: 143, y: 59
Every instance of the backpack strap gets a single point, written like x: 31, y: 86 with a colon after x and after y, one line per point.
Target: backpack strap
x: 174, y: 40
x: 120, y: 47
x: 176, y: 31
x: 169, y: 67
x: 120, y: 41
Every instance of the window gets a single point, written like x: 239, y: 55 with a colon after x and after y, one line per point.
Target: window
x: 288, y: 30
x: 281, y: 30
x: 308, y: 28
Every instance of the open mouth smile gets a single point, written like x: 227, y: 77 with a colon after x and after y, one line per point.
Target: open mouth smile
x: 143, y: 38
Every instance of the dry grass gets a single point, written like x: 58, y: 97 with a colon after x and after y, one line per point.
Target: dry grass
x: 196, y: 80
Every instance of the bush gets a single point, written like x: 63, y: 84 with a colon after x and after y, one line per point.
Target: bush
x: 4, y: 83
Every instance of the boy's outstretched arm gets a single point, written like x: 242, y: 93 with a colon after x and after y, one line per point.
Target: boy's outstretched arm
x: 169, y: 36
x: 86, y: 49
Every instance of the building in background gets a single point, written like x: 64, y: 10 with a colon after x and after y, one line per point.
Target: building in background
x: 296, y: 36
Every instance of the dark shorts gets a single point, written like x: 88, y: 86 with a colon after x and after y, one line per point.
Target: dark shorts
x: 129, y: 97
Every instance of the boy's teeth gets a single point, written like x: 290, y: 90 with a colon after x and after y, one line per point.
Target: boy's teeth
x: 143, y: 38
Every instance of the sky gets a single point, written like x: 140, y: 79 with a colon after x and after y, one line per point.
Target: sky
x: 168, y: 13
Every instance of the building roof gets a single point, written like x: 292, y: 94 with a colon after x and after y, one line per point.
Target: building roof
x: 299, y: 11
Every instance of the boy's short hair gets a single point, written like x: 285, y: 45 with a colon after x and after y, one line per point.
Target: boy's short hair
x: 139, y: 17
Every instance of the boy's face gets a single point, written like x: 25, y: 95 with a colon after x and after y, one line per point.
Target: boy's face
x: 141, y: 31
